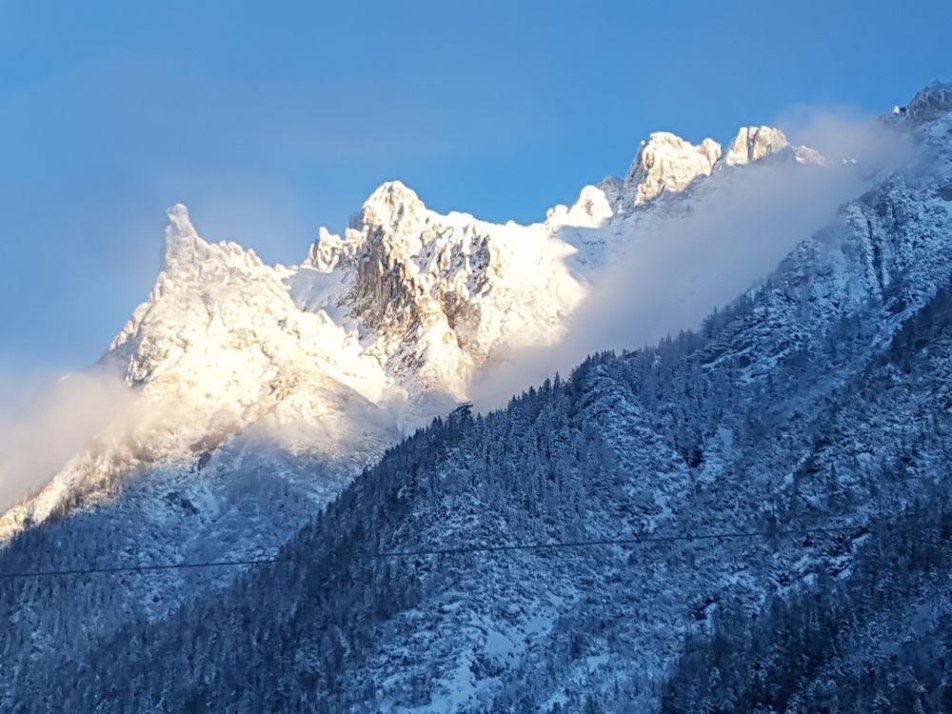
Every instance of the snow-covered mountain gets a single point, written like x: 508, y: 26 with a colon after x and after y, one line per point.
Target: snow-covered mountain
x: 262, y: 392
x: 436, y: 295
x: 374, y: 334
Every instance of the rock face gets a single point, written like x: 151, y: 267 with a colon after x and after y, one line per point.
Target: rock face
x: 441, y: 293
x: 931, y: 103
x: 666, y: 162
x: 753, y: 143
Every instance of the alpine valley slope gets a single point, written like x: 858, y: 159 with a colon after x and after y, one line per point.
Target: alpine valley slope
x: 815, y: 411
x: 263, y: 392
x: 258, y: 392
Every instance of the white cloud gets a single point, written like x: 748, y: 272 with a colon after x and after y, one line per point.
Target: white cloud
x: 673, y: 273
x: 42, y: 427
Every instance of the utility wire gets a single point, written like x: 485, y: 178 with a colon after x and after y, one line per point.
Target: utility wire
x: 148, y: 567
x: 462, y: 550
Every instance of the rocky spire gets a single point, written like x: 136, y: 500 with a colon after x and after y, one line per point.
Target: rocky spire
x: 666, y: 162
x: 393, y: 205
x: 753, y: 143
x: 181, y: 240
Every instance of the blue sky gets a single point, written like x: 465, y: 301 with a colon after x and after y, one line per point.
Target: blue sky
x: 272, y: 119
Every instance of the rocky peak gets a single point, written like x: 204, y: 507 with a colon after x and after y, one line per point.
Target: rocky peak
x: 753, y: 143
x: 392, y: 227
x: 591, y: 210
x: 930, y: 103
x: 666, y: 162
x: 187, y: 256
x: 181, y: 240
x: 393, y: 205
x: 435, y: 294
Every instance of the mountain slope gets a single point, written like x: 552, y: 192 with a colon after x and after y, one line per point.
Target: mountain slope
x: 819, y: 399
x: 257, y: 393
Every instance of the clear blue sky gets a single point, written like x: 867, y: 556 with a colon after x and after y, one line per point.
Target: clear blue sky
x: 270, y: 120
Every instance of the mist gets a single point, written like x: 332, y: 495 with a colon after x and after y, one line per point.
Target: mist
x: 42, y: 427
x: 669, y: 275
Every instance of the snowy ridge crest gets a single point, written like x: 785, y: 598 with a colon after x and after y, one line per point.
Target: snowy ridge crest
x: 666, y: 163
x: 438, y: 293
x: 931, y: 103
x: 378, y: 330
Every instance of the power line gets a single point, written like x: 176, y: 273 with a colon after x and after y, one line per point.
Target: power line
x: 105, y: 570
x: 462, y: 550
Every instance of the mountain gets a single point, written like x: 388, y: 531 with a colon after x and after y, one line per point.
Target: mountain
x: 818, y: 400
x: 256, y: 392
x: 375, y: 333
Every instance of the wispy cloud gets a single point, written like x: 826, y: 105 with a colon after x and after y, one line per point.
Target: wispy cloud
x: 672, y: 273
x: 41, y: 428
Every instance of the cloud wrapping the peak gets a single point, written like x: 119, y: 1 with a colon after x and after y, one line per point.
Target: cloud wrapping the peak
x: 41, y: 428
x: 670, y: 274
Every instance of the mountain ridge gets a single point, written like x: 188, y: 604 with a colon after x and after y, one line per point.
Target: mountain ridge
x: 820, y: 397
x: 646, y: 440
x: 415, y: 302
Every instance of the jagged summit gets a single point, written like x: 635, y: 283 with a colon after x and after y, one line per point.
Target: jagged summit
x: 180, y: 224
x: 666, y: 162
x: 394, y: 318
x: 753, y: 143
x: 180, y: 235
x: 441, y: 293
x: 930, y: 103
x: 190, y: 258
x: 592, y: 208
x: 392, y: 204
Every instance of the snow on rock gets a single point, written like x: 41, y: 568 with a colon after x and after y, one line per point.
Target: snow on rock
x: 806, y: 155
x: 219, y: 347
x: 930, y: 103
x: 753, y: 143
x: 666, y: 162
x: 437, y: 294
x: 591, y: 210
x: 379, y: 330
